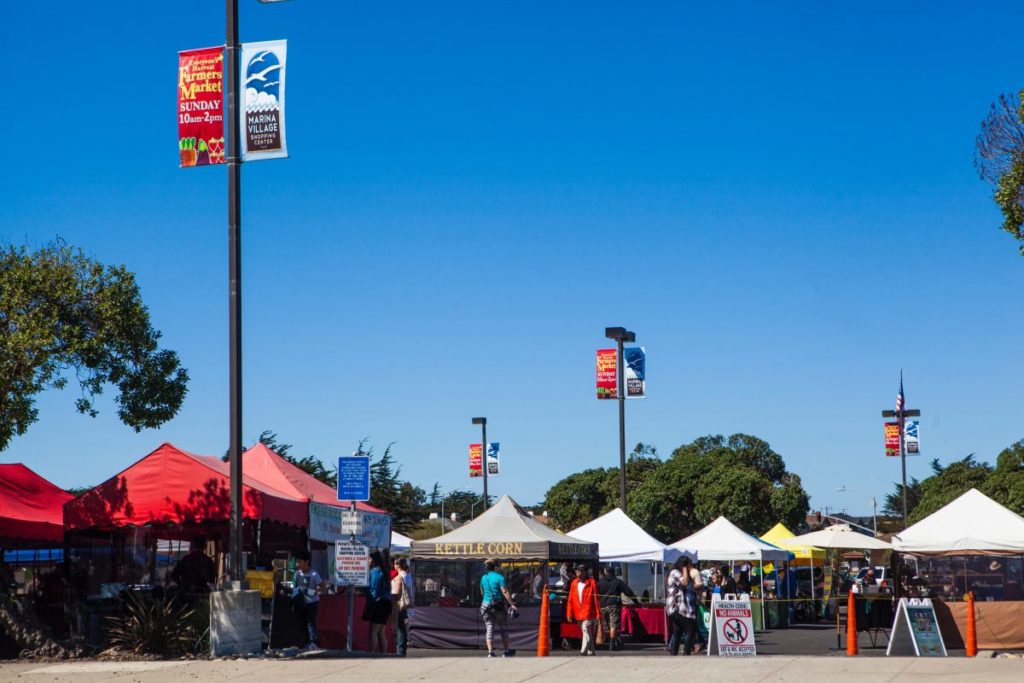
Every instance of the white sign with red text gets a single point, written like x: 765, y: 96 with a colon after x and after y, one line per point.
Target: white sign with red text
x: 732, y: 626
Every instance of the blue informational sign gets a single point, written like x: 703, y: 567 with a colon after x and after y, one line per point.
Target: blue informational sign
x: 354, y: 478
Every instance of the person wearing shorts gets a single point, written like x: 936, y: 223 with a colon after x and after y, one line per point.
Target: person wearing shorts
x: 610, y: 590
x: 494, y: 607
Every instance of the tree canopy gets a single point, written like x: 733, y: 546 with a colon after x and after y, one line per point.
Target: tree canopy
x: 949, y: 483
x: 64, y: 314
x: 999, y: 158
x: 740, y: 477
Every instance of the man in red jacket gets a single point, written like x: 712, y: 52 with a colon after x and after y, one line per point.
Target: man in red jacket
x: 581, y: 606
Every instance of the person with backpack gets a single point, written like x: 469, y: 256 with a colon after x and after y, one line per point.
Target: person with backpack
x: 495, y: 607
x: 401, y: 599
x: 681, y: 605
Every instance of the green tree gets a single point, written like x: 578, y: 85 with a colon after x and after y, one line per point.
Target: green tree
x: 999, y: 159
x: 63, y: 313
x: 1005, y: 484
x: 404, y: 501
x: 949, y: 483
x: 893, y: 504
x: 740, y: 477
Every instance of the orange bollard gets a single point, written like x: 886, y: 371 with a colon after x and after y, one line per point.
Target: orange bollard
x: 851, y: 626
x: 543, y: 635
x: 972, y: 630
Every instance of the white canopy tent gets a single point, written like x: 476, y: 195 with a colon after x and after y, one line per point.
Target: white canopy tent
x: 973, y: 524
x: 400, y: 544
x: 724, y: 541
x: 620, y: 539
x: 840, y: 536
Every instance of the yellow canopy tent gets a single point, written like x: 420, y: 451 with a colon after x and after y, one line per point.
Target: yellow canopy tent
x: 803, y: 554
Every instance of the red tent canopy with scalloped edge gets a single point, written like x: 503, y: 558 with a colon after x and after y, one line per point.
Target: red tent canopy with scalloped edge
x: 31, y: 508
x: 172, y: 486
x: 266, y: 466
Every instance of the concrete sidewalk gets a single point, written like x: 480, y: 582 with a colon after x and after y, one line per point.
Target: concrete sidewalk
x: 617, y: 667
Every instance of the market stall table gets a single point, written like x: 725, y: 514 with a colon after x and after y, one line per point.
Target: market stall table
x: 332, y: 623
x: 641, y: 620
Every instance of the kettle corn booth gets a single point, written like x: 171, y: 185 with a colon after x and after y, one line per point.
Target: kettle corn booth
x: 448, y: 570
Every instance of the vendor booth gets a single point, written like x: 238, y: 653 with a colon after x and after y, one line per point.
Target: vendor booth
x: 972, y: 544
x: 810, y: 579
x: 447, y: 572
x: 723, y: 541
x: 620, y: 539
x: 31, y: 544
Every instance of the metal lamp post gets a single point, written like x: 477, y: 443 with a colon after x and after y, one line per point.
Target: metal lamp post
x: 482, y: 421
x: 621, y: 335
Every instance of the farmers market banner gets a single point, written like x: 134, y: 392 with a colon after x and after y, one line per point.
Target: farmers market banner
x: 892, y: 438
x: 475, y: 460
x: 201, y: 106
x: 262, y: 111
x: 607, y: 377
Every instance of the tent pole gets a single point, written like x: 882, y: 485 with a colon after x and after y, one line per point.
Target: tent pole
x: 764, y: 626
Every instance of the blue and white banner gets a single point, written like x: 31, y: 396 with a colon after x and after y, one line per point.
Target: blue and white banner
x: 635, y: 360
x: 911, y: 437
x: 262, y: 112
x: 493, y: 453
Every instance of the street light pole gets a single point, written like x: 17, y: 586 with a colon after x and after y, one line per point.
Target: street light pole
x: 621, y: 335
x: 234, y: 163
x: 901, y: 414
x: 482, y: 421
x: 874, y: 507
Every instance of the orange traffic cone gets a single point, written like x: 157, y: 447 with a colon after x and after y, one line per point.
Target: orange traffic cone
x: 543, y: 635
x: 972, y: 630
x: 851, y: 626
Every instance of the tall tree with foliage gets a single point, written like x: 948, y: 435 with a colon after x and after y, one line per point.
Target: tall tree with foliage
x: 740, y: 477
x: 999, y: 158
x: 1006, y: 482
x: 63, y: 314
x: 949, y: 483
x: 893, y: 504
x: 404, y: 501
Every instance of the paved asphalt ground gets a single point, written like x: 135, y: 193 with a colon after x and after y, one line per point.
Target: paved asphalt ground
x: 797, y: 654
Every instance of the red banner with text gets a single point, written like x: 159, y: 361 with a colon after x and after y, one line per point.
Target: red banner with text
x: 201, y: 106
x: 607, y: 376
x: 892, y: 439
x: 476, y: 460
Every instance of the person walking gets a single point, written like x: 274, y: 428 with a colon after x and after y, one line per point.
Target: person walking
x: 610, y: 590
x: 681, y: 605
x: 379, y: 607
x: 401, y: 600
x: 495, y: 606
x: 306, y: 593
x: 581, y: 605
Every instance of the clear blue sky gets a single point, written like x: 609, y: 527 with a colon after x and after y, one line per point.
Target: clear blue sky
x: 778, y: 198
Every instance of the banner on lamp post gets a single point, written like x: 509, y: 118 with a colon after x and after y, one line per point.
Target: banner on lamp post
x: 475, y: 460
x: 493, y: 452
x: 201, y: 107
x: 892, y: 439
x: 911, y: 438
x: 635, y: 360
x: 607, y: 374
x: 262, y: 112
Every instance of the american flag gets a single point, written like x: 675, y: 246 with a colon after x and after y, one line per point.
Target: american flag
x: 899, y: 397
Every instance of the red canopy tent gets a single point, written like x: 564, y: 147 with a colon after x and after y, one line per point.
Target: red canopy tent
x: 172, y: 486
x: 267, y: 467
x: 30, y: 508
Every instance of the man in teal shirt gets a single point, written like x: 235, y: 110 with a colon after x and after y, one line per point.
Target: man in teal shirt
x: 494, y: 607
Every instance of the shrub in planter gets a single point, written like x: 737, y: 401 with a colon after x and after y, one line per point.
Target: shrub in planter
x: 155, y: 626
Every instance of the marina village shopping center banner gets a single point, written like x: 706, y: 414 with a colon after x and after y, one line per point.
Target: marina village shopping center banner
x: 262, y: 111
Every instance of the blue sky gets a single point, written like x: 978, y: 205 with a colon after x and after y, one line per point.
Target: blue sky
x: 779, y: 199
